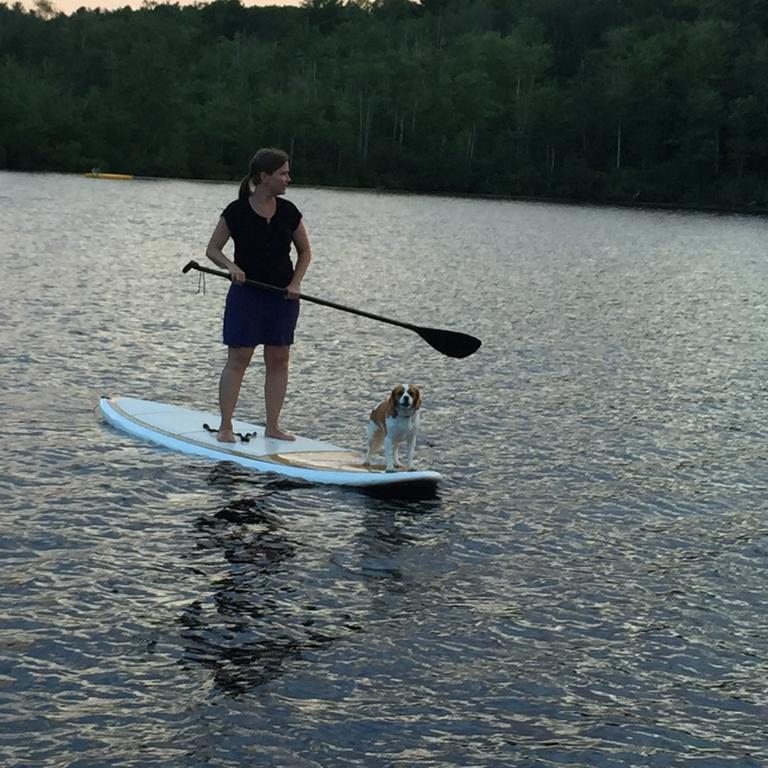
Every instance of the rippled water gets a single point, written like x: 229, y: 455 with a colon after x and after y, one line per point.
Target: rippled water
x: 588, y: 588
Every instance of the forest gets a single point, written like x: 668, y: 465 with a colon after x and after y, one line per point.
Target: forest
x: 615, y: 101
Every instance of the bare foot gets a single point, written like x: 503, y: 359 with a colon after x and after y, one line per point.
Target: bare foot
x: 278, y: 434
x: 225, y: 436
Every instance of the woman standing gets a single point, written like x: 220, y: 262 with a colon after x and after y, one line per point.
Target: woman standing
x: 262, y: 225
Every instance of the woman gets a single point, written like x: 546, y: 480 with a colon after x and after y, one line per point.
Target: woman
x: 263, y: 225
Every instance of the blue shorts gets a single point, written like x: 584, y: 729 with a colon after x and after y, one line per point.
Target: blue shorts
x: 253, y: 316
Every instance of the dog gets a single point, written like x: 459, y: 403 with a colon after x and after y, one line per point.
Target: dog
x: 394, y: 421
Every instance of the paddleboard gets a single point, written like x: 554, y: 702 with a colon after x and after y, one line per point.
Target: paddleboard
x: 181, y: 429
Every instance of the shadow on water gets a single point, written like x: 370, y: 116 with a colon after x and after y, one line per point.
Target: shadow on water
x: 257, y: 617
x: 245, y: 630
x: 390, y: 529
x: 227, y: 472
x: 228, y: 475
x: 418, y: 491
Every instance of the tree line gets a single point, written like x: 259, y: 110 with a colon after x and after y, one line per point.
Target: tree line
x: 631, y: 101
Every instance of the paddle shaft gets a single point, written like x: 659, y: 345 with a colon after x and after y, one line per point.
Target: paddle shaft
x: 451, y: 343
x: 324, y: 302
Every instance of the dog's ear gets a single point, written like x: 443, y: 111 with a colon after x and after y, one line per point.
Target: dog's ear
x: 416, y: 394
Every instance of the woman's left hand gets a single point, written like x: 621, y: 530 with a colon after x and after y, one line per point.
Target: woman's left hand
x: 293, y: 289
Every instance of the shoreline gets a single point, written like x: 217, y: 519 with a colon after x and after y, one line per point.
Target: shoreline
x: 753, y: 211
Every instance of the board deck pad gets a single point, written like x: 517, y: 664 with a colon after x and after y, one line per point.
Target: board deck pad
x: 181, y: 429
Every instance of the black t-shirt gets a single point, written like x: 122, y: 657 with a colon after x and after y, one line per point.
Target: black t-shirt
x: 263, y: 249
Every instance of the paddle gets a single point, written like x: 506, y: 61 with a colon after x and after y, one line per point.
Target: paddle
x: 450, y: 343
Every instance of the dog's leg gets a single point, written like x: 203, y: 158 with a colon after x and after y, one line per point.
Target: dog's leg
x: 373, y: 442
x: 388, y: 453
x: 411, y: 449
x: 412, y: 435
x: 396, y: 454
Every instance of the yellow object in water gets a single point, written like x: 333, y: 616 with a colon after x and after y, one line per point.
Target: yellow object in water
x: 99, y: 175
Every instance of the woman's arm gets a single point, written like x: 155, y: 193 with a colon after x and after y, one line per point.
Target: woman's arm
x: 304, y: 251
x: 215, y: 253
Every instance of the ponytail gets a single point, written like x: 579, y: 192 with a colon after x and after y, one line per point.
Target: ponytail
x: 245, y: 187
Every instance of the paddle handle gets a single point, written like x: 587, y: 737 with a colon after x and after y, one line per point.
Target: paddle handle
x: 324, y: 302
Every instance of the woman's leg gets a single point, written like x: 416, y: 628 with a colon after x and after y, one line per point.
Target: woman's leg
x: 229, y: 389
x: 275, y: 385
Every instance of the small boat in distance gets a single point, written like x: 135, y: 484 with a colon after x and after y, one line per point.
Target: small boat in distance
x: 95, y: 173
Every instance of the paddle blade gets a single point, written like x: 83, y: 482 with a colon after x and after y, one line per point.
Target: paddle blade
x: 450, y: 343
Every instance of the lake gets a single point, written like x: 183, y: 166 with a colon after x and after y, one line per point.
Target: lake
x: 588, y: 587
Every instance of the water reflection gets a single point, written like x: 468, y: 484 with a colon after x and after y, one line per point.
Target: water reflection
x: 411, y: 492
x: 257, y: 618
x: 387, y: 528
x: 251, y: 624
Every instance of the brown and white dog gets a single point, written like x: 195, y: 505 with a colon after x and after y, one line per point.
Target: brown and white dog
x: 394, y: 421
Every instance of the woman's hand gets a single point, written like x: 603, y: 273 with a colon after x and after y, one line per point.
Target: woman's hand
x: 236, y: 275
x: 293, y: 289
x: 301, y: 241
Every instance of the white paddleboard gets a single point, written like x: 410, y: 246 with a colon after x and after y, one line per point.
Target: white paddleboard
x: 181, y: 429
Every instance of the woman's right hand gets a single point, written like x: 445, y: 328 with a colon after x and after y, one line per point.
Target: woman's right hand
x: 236, y: 275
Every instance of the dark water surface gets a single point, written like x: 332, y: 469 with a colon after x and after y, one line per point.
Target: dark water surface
x: 588, y: 588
